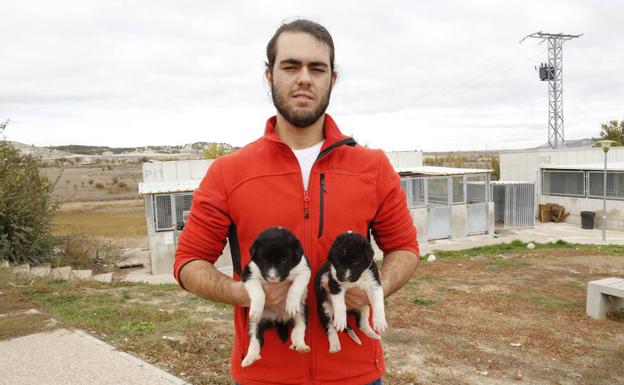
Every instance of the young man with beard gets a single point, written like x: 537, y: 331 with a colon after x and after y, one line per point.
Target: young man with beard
x: 305, y: 175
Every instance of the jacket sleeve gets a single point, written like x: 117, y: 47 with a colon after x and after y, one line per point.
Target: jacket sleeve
x: 204, y: 234
x: 393, y: 227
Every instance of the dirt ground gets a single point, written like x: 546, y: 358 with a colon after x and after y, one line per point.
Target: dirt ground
x: 505, y: 319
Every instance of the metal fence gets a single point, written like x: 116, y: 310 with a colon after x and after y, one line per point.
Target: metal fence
x: 514, y: 204
x: 439, y: 193
x: 167, y: 211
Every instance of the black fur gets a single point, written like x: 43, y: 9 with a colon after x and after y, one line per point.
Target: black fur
x: 275, y: 248
x: 350, y: 251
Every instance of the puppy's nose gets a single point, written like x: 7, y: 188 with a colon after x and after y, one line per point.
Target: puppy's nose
x: 272, y: 275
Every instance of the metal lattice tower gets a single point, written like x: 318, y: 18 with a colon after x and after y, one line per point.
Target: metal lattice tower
x: 553, y: 72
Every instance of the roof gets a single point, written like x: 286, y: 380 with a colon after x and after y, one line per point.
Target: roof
x: 439, y: 171
x: 503, y: 182
x: 612, y: 166
x: 168, y: 187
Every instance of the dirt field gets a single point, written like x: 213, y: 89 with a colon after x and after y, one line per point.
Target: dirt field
x: 96, y: 182
x: 505, y: 319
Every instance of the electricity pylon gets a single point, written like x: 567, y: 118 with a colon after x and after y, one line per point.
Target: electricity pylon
x: 553, y: 72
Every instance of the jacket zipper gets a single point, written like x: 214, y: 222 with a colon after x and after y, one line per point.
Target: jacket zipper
x: 322, y: 204
x: 307, y: 231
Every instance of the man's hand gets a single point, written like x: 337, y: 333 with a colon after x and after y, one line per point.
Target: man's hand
x: 275, y: 294
x: 356, y: 298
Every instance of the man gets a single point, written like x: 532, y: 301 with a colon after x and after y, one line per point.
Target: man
x: 305, y: 175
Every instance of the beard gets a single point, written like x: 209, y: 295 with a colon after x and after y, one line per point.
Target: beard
x: 299, y: 117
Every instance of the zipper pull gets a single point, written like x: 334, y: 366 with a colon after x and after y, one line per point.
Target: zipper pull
x: 306, y: 201
x: 323, y: 188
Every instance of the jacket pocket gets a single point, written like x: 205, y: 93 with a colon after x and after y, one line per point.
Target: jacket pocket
x: 322, y: 192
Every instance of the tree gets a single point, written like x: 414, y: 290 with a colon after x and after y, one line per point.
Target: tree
x: 612, y: 130
x: 26, y: 207
x: 215, y: 150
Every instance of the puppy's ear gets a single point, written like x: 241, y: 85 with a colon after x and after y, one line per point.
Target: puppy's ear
x: 298, y: 248
x: 253, y: 250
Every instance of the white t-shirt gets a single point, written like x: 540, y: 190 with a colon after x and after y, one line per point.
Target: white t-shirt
x: 306, y: 158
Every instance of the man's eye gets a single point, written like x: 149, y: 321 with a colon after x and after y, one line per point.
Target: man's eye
x: 319, y: 70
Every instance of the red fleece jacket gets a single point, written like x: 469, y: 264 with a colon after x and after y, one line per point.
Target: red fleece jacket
x: 261, y: 186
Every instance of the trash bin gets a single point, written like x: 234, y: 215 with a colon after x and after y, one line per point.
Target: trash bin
x: 587, y: 219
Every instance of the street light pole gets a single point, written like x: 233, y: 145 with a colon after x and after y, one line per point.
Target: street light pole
x: 604, y: 197
x: 605, y: 144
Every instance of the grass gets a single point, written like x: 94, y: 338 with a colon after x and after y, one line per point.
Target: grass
x: 122, y: 222
x: 423, y: 301
x: 519, y: 247
x: 496, y: 264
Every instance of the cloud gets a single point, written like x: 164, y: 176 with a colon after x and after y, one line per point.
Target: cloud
x: 442, y: 75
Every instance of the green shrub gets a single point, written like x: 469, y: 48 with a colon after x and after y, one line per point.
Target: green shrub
x: 26, y: 207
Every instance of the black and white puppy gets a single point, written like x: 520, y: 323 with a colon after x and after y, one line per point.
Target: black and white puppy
x: 276, y: 255
x: 350, y: 264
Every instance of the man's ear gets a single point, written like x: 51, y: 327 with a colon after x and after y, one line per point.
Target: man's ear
x: 334, y: 77
x: 268, y: 76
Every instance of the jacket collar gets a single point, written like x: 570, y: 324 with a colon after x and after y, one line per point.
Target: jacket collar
x: 330, y: 131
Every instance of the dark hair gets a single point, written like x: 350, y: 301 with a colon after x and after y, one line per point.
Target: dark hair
x: 300, y: 25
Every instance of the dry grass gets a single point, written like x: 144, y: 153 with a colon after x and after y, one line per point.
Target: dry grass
x: 102, y: 221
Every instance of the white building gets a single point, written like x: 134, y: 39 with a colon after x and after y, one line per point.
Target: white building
x: 572, y: 178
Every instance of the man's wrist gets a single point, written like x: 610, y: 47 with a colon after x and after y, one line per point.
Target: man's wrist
x: 240, y: 294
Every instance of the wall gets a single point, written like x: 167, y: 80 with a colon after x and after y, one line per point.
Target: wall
x: 156, y: 171
x: 405, y: 158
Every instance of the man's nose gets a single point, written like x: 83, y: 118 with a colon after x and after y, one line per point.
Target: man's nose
x: 304, y: 78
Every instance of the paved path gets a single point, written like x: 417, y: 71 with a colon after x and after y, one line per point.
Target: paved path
x: 65, y: 357
x: 543, y: 233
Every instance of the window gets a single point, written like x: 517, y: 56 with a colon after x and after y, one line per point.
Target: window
x: 615, y: 184
x: 170, y: 209
x: 563, y: 182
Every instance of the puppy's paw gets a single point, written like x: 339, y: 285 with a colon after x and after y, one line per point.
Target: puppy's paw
x: 250, y: 359
x: 292, y: 307
x: 334, y: 346
x: 340, y: 321
x: 301, y: 348
x: 255, y: 312
x: 379, y: 323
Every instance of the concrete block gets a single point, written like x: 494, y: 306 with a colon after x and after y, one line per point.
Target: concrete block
x: 81, y: 274
x: 106, y: 277
x: 21, y: 269
x: 603, y: 296
x: 459, y: 215
x: 61, y: 272
x: 40, y: 270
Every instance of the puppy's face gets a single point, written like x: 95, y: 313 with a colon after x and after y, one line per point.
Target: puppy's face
x: 276, y: 251
x: 350, y: 256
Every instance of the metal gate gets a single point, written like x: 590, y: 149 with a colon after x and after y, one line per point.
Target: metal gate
x: 476, y: 205
x: 514, y: 204
x: 439, y: 190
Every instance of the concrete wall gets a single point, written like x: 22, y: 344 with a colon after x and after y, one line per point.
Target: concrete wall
x: 526, y: 165
x: 156, y: 171
x: 405, y: 158
x: 162, y: 253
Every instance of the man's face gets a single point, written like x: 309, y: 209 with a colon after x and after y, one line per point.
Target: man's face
x: 302, y: 79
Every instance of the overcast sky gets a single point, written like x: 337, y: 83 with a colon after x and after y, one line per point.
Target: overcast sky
x: 444, y: 75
